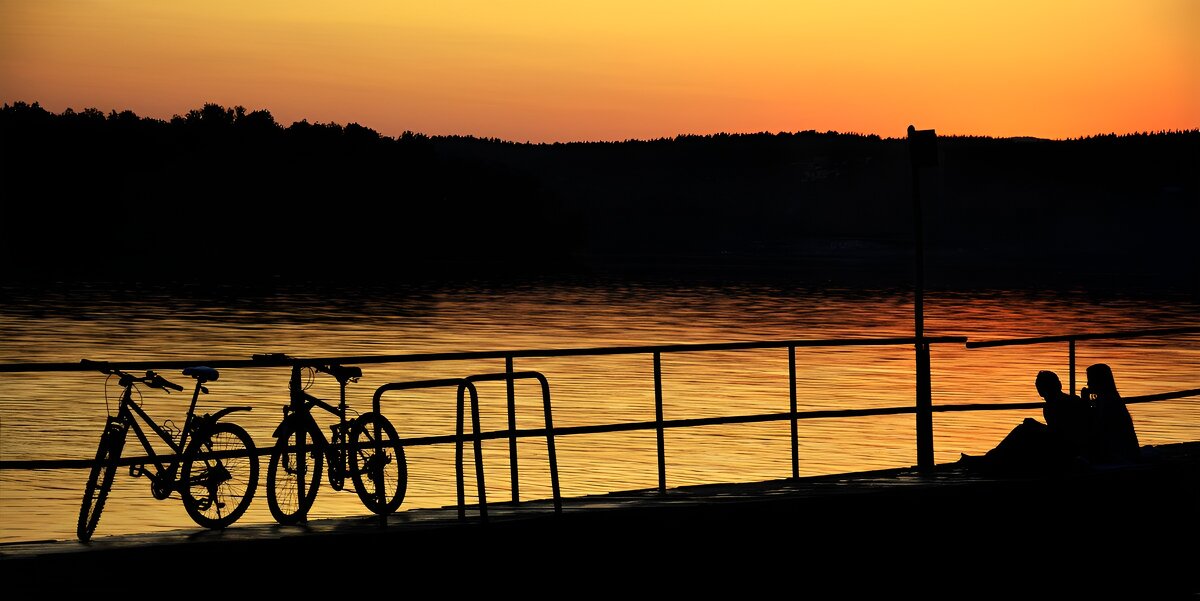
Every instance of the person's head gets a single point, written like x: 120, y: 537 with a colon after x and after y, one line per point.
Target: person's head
x: 1100, y: 380
x: 1048, y: 384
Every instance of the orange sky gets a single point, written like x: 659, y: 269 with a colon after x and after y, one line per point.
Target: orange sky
x: 614, y: 70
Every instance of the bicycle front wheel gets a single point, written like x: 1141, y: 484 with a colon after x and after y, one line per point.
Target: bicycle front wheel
x: 100, y: 480
x: 220, y: 475
x: 293, y: 474
x: 377, y: 464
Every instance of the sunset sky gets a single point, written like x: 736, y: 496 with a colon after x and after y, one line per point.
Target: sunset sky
x: 615, y: 70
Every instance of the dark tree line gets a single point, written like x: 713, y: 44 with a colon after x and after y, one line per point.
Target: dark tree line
x: 224, y: 192
x: 227, y: 192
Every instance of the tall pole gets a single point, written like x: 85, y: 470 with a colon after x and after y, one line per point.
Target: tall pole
x: 922, y: 146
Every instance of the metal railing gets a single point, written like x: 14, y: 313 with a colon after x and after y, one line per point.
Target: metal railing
x: 1070, y: 339
x: 466, y: 385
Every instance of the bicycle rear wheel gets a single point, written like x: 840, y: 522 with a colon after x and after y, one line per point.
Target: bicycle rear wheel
x: 377, y: 454
x: 293, y: 475
x: 100, y: 479
x: 217, y: 490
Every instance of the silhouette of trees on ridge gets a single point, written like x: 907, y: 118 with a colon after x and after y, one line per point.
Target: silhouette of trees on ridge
x: 225, y: 190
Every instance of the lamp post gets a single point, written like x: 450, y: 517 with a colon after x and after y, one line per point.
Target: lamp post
x: 922, y: 149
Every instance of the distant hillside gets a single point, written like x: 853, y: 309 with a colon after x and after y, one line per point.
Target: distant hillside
x: 226, y: 191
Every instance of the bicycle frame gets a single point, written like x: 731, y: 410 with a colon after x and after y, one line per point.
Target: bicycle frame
x: 163, y: 479
x: 300, y: 410
x: 163, y: 476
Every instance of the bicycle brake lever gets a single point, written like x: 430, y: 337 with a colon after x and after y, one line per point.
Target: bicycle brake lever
x: 154, y: 381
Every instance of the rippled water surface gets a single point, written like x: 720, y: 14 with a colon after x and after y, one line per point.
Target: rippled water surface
x: 59, y: 415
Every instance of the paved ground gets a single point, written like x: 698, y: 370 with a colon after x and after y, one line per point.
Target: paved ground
x: 1133, y: 530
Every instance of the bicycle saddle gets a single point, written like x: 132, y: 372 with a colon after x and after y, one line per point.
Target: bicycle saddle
x: 342, y: 372
x: 204, y: 374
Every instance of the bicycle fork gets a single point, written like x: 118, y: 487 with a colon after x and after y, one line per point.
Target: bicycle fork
x: 298, y: 424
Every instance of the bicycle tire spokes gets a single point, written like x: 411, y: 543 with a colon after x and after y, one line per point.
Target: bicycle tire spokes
x: 379, y: 456
x: 294, y: 475
x: 100, y: 479
x: 220, y: 475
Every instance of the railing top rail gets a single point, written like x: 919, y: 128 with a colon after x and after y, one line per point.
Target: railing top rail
x: 461, y: 356
x: 1087, y: 336
x: 32, y: 464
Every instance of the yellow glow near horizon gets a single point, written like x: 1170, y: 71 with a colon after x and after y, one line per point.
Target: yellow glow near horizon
x: 550, y: 71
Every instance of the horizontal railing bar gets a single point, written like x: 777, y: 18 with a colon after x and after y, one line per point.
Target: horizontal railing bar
x: 1162, y: 396
x: 165, y: 459
x: 473, y: 355
x: 1092, y: 336
x: 42, y: 464
x: 988, y: 407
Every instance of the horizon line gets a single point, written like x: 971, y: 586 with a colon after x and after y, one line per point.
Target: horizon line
x: 529, y: 142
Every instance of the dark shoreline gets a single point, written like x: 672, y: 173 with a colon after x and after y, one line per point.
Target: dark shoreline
x: 836, y: 277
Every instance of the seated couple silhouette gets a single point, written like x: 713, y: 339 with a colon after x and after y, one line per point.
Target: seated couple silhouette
x: 1094, y: 428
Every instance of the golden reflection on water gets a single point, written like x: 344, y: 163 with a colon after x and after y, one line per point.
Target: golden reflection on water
x: 59, y: 415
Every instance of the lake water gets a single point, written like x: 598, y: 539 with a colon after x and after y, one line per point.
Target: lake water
x: 60, y: 415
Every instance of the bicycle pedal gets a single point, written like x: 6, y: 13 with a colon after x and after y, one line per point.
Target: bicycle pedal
x: 137, y: 471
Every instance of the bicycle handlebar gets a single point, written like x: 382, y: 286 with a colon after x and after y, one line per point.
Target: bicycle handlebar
x: 151, y: 379
x: 154, y: 380
x: 340, y: 373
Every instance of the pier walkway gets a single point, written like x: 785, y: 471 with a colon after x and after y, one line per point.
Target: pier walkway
x: 1130, y: 529
x: 1129, y: 532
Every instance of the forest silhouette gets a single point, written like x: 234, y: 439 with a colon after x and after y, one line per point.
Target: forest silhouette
x: 230, y: 193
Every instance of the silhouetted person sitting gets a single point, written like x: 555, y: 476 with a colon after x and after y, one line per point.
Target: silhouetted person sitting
x: 1112, y: 438
x: 1068, y: 417
x: 1034, y: 447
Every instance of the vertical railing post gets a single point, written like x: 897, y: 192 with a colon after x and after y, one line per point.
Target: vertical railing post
x: 512, y: 430
x: 550, y: 452
x: 924, y: 408
x: 477, y: 435
x: 1071, y: 359
x: 458, y: 455
x: 477, y: 443
x: 922, y: 146
x: 658, y: 421
x: 792, y: 406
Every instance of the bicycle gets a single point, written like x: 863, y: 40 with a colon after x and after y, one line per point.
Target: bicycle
x: 213, y: 466
x: 365, y: 448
